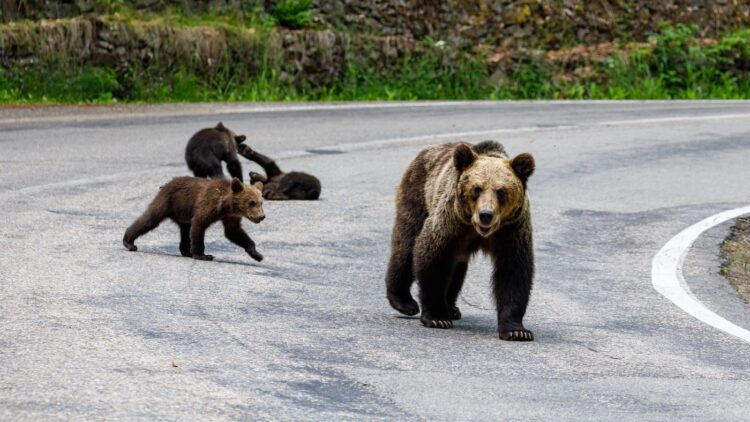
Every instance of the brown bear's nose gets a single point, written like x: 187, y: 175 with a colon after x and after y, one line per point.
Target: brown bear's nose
x: 485, y: 217
x: 262, y: 217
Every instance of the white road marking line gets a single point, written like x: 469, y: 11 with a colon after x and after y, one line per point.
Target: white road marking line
x: 667, y: 278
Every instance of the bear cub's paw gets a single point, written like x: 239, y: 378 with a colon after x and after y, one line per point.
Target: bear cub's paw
x: 455, y: 313
x: 407, y: 307
x: 517, y: 335
x: 255, y: 255
x: 431, y: 322
x: 130, y: 246
x: 204, y: 257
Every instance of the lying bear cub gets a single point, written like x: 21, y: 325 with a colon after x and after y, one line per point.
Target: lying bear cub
x: 194, y: 204
x: 454, y: 200
x: 277, y: 184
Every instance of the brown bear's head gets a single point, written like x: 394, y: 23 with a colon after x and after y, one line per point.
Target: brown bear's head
x: 247, y: 200
x: 491, y: 187
x: 237, y: 138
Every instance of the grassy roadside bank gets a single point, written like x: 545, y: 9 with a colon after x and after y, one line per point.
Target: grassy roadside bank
x: 174, y: 59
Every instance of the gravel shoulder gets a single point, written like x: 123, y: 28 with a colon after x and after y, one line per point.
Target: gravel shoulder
x: 736, y: 253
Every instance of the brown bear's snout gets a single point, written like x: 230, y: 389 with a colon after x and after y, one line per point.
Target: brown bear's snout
x: 485, y: 217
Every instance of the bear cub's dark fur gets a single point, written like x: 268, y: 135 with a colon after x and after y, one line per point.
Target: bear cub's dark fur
x: 278, y: 185
x: 194, y: 204
x: 209, y: 147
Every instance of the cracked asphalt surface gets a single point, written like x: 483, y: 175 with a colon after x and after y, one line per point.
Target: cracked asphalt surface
x: 89, y: 330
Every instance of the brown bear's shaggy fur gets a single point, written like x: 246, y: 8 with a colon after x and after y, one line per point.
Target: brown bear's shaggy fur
x: 452, y: 201
x: 277, y: 184
x: 194, y: 204
x: 209, y: 147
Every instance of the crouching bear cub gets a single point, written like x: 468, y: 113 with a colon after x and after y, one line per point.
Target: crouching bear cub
x: 454, y: 200
x: 209, y: 147
x: 194, y: 204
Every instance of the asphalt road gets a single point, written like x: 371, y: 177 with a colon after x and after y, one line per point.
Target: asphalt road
x: 91, y: 331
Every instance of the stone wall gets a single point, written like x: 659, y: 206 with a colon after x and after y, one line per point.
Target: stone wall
x: 546, y: 24
x: 300, y: 57
x: 510, y: 24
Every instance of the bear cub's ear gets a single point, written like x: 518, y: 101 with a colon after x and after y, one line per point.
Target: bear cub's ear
x: 240, y: 138
x: 523, y: 165
x: 258, y: 185
x: 237, y: 185
x: 463, y: 156
x: 220, y: 126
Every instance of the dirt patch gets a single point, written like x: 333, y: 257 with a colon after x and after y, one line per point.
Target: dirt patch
x: 736, y: 253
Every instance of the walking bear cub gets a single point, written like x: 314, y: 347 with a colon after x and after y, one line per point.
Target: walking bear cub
x: 277, y: 184
x: 209, y: 147
x: 454, y: 200
x: 194, y: 204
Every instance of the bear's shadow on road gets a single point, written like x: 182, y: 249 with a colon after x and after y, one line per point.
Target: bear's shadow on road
x: 467, y: 324
x: 268, y: 271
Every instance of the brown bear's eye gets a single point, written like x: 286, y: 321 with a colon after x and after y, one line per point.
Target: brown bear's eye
x: 251, y: 204
x: 476, y: 191
x: 501, y: 195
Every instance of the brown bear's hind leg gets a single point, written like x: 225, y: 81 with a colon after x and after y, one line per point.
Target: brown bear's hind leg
x: 400, y: 275
x: 457, y: 282
x: 150, y: 219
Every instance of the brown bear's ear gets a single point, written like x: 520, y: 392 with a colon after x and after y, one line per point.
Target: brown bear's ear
x: 220, y: 126
x: 523, y: 165
x: 237, y: 185
x: 463, y: 156
x: 258, y: 185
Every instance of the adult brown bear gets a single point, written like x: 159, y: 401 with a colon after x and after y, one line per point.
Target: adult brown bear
x: 454, y: 200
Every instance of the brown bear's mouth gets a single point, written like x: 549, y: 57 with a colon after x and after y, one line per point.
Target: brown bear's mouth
x: 483, y: 230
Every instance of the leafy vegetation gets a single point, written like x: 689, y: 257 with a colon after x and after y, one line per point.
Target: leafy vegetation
x: 675, y: 65
x: 293, y: 14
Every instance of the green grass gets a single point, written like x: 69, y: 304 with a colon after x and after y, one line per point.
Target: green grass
x: 676, y: 66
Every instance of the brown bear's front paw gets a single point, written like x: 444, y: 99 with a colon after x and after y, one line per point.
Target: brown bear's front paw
x: 256, y: 255
x: 431, y: 322
x: 203, y: 257
x: 517, y: 335
x: 130, y: 246
x: 455, y: 313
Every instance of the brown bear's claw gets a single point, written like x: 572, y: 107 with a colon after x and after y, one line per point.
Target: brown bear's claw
x: 437, y: 323
x: 517, y: 335
x: 203, y: 257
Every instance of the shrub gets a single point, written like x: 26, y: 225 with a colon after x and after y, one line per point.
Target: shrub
x: 293, y: 14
